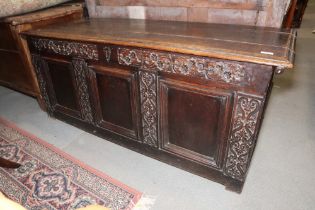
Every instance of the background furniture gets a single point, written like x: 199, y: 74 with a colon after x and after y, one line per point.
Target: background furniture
x: 244, y: 12
x: 294, y: 17
x: 17, y: 7
x: 8, y: 164
x: 16, y: 70
x: 189, y: 94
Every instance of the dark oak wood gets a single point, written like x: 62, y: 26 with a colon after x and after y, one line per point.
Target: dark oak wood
x: 8, y: 164
x: 197, y: 112
x: 243, y: 43
x: 115, y: 98
x: 145, y: 149
x: 61, y: 86
x: 193, y: 121
x: 294, y: 16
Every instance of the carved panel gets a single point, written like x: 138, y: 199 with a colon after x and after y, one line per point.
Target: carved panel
x: 208, y: 69
x: 243, y: 135
x: 80, y: 72
x: 148, y: 107
x: 157, y: 61
x: 66, y: 48
x: 201, y: 67
x: 38, y: 65
x: 130, y: 57
x: 107, y: 53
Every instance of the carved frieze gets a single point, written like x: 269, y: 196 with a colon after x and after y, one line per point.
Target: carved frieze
x: 148, y: 107
x: 38, y: 65
x: 67, y: 48
x: 205, y: 68
x: 80, y: 71
x: 243, y: 135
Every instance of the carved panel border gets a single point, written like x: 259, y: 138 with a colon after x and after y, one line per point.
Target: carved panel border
x: 148, y: 98
x: 80, y: 71
x: 201, y: 67
x: 66, y: 48
x: 38, y: 65
x: 242, y: 135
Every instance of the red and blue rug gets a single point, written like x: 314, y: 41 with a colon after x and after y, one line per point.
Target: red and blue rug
x: 50, y: 179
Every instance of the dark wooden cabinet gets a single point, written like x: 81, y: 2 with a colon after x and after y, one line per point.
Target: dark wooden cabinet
x: 185, y: 104
x: 16, y: 69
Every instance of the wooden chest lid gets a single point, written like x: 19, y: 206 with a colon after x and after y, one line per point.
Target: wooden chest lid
x: 260, y: 45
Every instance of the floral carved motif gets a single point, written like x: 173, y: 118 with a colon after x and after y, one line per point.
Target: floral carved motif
x: 80, y: 71
x: 38, y: 65
x: 208, y: 69
x: 243, y: 136
x: 66, y: 48
x: 157, y: 61
x: 148, y: 107
x: 205, y: 68
x: 130, y: 57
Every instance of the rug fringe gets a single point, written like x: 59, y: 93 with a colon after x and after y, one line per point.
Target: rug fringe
x: 146, y: 202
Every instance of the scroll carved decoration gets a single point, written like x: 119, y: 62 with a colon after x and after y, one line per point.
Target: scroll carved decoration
x: 157, y: 61
x: 107, y: 53
x: 38, y: 65
x: 243, y: 136
x: 205, y: 68
x: 148, y: 107
x: 76, y: 49
x: 130, y: 57
x: 80, y: 72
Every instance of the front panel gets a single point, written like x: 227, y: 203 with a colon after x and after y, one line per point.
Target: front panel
x: 61, y: 86
x: 193, y: 121
x: 115, y: 99
x: 197, y: 113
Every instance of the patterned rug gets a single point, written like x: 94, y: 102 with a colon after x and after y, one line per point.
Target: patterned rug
x: 50, y: 179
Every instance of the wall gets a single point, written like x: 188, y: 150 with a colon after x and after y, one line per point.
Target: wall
x: 246, y: 12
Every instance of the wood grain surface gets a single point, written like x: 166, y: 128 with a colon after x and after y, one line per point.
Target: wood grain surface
x: 233, y: 42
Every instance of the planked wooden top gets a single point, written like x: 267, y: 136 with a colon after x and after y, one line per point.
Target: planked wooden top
x: 233, y: 42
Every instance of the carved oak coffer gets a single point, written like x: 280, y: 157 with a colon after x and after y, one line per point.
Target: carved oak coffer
x: 188, y: 94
